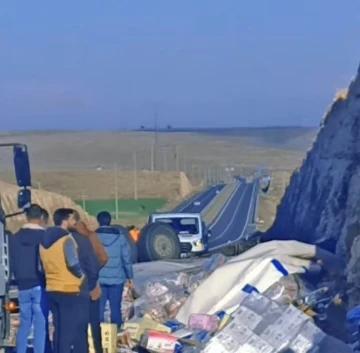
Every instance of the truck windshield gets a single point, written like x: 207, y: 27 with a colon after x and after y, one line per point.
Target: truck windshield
x: 188, y: 225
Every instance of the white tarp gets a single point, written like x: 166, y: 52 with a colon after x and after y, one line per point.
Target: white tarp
x: 256, y: 269
x: 146, y: 270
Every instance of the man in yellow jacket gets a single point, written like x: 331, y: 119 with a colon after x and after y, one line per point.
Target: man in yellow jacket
x: 64, y: 281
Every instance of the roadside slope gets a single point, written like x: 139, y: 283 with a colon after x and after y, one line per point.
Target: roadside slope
x: 323, y: 197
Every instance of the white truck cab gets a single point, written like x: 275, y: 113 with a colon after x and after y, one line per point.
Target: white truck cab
x: 190, y: 229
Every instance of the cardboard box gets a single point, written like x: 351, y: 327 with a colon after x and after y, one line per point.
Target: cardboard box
x: 108, y: 338
x: 136, y: 327
x: 160, y: 342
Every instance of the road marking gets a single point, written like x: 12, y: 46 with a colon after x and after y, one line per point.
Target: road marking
x: 234, y: 214
x: 218, y: 217
x: 193, y: 199
x: 248, y: 215
x: 245, y: 225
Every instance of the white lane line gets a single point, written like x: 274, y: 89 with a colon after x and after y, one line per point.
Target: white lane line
x: 245, y: 226
x: 194, y: 199
x: 233, y: 216
x: 248, y: 215
x: 218, y: 217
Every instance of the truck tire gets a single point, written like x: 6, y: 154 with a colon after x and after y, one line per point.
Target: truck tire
x: 158, y: 241
x: 132, y: 244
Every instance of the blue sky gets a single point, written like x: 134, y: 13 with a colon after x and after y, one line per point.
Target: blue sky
x: 112, y: 64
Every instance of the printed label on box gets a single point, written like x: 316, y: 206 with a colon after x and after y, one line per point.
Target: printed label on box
x: 257, y: 345
x: 301, y: 344
x: 239, y: 332
x: 247, y: 317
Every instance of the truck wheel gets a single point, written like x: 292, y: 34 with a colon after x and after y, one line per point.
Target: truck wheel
x: 132, y: 244
x: 158, y: 241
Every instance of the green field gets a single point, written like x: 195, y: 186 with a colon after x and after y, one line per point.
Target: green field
x: 126, y: 207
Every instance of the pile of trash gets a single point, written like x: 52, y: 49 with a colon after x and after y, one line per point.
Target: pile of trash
x: 257, y: 302
x: 159, y: 316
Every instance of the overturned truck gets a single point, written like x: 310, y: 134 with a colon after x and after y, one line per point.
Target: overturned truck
x: 169, y: 236
x: 23, y: 180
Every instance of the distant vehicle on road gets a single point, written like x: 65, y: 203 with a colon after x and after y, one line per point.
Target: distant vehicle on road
x: 172, y: 235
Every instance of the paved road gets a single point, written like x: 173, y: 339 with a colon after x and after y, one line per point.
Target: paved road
x: 204, y: 197
x: 232, y: 223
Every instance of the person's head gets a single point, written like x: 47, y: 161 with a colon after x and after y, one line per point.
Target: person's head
x: 76, y: 216
x: 104, y: 218
x: 64, y: 218
x: 44, y: 217
x: 34, y: 214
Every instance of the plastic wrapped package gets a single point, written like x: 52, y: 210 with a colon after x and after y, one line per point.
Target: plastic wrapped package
x: 194, y: 281
x: 286, y: 290
x: 160, y: 308
x: 257, y: 312
x: 285, y: 328
x: 127, y: 303
x: 159, y: 285
x: 308, y: 338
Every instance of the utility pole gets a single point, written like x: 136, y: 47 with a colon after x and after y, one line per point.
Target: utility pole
x: 83, y: 201
x: 152, y: 159
x: 135, y: 176
x: 177, y: 149
x: 156, y: 137
x: 165, y: 159
x: 116, y: 192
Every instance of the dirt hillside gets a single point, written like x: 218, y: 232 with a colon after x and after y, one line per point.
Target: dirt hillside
x: 49, y: 200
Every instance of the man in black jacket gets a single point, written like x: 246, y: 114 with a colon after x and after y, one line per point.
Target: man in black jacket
x: 90, y: 265
x: 24, y: 266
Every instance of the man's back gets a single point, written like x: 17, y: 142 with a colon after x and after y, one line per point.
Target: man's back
x: 118, y: 268
x: 88, y: 262
x: 24, y: 256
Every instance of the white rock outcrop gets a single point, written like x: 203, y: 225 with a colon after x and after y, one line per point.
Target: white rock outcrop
x: 322, y: 201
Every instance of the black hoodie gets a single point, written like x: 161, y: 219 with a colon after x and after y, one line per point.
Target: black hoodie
x: 24, y: 256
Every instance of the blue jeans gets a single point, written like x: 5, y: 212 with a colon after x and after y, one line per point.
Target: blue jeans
x: 113, y: 294
x: 33, y: 310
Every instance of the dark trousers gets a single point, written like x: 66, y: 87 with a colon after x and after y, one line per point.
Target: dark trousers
x: 113, y: 294
x: 70, y: 318
x: 95, y: 325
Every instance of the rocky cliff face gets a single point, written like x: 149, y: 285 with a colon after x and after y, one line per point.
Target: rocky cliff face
x: 322, y: 201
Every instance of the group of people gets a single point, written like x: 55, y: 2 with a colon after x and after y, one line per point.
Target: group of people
x: 71, y: 271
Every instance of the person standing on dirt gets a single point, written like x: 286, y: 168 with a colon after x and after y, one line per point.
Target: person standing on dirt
x: 24, y: 268
x: 64, y: 280
x: 89, y: 246
x: 117, y: 271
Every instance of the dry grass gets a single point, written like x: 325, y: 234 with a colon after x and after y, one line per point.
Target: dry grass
x: 49, y: 200
x: 66, y: 162
x: 268, y: 202
x: 93, y: 184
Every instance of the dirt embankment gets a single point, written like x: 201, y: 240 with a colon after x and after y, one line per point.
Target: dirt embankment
x: 322, y: 202
x: 269, y: 202
x: 49, y: 200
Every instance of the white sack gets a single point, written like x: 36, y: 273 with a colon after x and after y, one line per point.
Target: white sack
x: 256, y: 269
